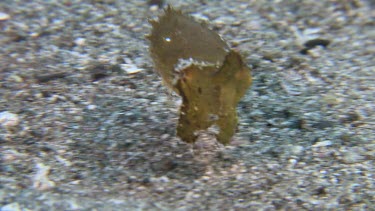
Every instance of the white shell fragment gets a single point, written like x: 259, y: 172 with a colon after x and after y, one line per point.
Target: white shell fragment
x: 130, y: 68
x: 4, y: 16
x: 8, y: 119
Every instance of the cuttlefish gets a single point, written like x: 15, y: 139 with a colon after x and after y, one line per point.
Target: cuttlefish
x: 197, y: 64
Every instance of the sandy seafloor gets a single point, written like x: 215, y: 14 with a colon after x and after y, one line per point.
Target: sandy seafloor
x: 86, y: 124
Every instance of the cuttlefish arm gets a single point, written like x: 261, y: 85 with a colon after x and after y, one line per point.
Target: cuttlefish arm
x: 210, y: 96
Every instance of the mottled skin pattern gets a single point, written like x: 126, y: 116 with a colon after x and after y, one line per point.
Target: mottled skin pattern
x: 210, y: 92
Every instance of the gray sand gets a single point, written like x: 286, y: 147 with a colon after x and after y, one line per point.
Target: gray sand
x: 86, y: 124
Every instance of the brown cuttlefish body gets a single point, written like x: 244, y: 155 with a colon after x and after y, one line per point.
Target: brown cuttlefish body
x: 198, y: 65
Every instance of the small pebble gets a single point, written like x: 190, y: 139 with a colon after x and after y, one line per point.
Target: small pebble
x: 164, y: 179
x: 80, y: 41
x: 16, y: 78
x: 332, y: 99
x: 11, y: 207
x: 164, y: 136
x: 4, y: 16
x: 91, y: 107
x: 130, y: 68
x: 293, y: 162
x: 296, y: 150
x: 200, y: 17
x: 323, y: 144
x: 316, y: 42
x: 352, y: 157
x: 8, y: 119
x: 154, y: 8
